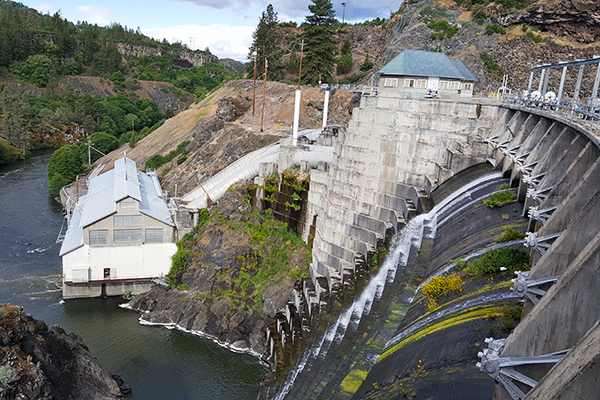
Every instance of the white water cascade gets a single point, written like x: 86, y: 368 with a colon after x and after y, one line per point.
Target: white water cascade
x: 410, y: 236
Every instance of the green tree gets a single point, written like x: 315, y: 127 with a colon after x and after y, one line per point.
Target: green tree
x: 13, y: 126
x: 38, y: 69
x: 367, y: 64
x: 63, y: 168
x: 104, y: 142
x: 293, y: 65
x: 264, y: 39
x: 319, y: 41
x: 106, y: 61
x: 344, y: 64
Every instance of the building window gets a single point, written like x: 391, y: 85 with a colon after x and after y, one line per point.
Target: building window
x: 98, y: 238
x: 127, y: 235
x: 421, y: 84
x: 154, y: 235
x: 127, y: 220
x: 444, y: 84
x: 390, y: 82
x: 454, y: 85
x: 409, y: 83
x: 106, y: 273
x: 468, y: 86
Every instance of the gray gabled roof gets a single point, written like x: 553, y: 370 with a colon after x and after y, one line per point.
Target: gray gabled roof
x: 106, y: 191
x: 426, y: 64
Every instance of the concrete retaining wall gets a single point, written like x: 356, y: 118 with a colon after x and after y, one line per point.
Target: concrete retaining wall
x: 392, y: 150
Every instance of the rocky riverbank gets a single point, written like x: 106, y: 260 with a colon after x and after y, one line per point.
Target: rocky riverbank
x: 41, y: 362
x: 230, y: 278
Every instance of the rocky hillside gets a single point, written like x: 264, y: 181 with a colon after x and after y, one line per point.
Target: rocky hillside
x: 222, y: 128
x: 41, y: 362
x: 230, y: 277
x: 545, y: 31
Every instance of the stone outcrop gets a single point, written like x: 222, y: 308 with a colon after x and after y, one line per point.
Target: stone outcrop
x: 196, y: 58
x: 214, y: 296
x: 41, y: 362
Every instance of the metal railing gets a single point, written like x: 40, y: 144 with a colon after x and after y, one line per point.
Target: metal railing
x: 585, y: 115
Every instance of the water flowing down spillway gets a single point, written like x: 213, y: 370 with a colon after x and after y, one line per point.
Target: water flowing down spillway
x: 408, y: 237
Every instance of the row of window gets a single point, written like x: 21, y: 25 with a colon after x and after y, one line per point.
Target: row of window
x: 422, y: 84
x: 127, y: 220
x: 100, y: 237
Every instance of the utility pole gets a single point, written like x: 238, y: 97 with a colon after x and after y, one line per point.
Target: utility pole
x: 301, y: 54
x: 344, y: 12
x: 254, y: 86
x: 262, y: 119
x: 89, y: 153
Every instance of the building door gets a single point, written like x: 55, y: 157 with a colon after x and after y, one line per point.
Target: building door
x: 433, y: 83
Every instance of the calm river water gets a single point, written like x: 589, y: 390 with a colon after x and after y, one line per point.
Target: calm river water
x: 157, y: 363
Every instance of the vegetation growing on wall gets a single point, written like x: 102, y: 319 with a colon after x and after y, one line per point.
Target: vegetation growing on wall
x: 273, y: 246
x: 510, y: 234
x: 497, y: 260
x: 440, y: 285
x: 500, y: 199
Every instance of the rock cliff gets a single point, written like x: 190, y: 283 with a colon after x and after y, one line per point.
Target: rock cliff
x: 41, y: 362
x: 546, y: 31
x: 239, y: 272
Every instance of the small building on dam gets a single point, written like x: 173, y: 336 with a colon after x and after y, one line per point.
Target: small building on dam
x: 120, y: 236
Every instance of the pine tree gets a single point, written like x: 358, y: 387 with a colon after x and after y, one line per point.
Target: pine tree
x: 264, y: 38
x: 344, y: 64
x: 319, y: 42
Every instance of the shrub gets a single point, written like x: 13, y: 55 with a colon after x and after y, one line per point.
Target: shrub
x: 511, y: 258
x: 156, y: 161
x: 499, y: 199
x: 509, y: 235
x: 360, y: 38
x: 532, y: 36
x: 490, y: 29
x: 440, y: 285
x: 180, y: 160
x: 490, y: 65
x: 442, y: 29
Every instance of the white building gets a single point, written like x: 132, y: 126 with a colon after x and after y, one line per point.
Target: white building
x: 120, y: 235
x: 412, y: 72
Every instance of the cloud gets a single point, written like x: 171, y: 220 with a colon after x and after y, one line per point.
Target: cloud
x: 94, y: 15
x: 297, y: 9
x: 224, y: 41
x: 44, y: 8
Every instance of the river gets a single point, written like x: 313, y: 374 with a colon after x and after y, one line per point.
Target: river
x: 157, y: 363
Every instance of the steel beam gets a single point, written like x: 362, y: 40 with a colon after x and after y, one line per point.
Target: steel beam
x: 545, y: 87
x: 575, y: 63
x: 578, y: 86
x: 596, y: 82
x: 530, y: 84
x: 562, y: 82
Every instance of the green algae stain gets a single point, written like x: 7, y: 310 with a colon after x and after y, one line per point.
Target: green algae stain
x: 467, y: 315
x: 353, y: 380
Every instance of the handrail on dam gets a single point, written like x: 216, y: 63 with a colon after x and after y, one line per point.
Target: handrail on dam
x: 585, y: 116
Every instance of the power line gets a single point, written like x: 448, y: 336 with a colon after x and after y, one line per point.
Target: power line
x: 386, y: 7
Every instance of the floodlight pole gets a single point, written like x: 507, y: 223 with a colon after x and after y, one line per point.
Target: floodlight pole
x: 344, y: 12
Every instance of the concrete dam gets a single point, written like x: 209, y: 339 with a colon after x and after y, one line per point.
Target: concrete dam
x: 425, y: 283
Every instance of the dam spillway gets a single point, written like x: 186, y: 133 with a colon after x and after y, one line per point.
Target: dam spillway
x: 397, y: 155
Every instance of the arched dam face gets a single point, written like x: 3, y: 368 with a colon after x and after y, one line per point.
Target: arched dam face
x: 455, y: 256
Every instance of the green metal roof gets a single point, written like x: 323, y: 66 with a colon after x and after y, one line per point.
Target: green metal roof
x: 426, y: 63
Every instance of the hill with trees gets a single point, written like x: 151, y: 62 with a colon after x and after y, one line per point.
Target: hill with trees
x: 61, y: 82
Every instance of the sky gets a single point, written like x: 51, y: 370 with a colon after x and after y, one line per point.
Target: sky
x: 224, y: 26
